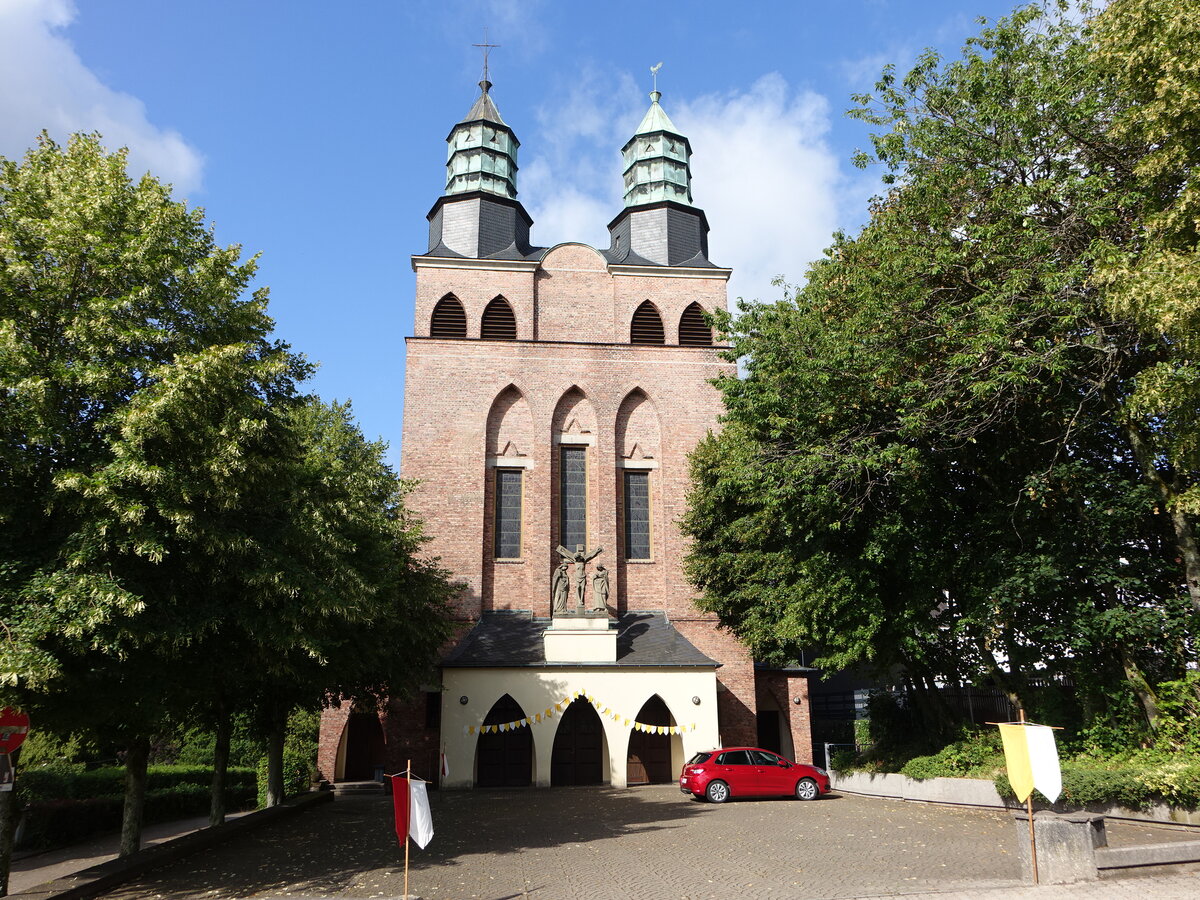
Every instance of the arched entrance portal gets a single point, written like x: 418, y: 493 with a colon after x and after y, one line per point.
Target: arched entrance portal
x: 650, y: 754
x: 364, y: 746
x: 504, y: 758
x: 578, y: 756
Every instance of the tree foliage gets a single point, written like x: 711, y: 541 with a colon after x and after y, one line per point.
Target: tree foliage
x: 183, y: 531
x: 942, y: 461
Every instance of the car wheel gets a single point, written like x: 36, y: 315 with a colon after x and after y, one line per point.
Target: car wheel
x: 806, y: 789
x: 717, y: 792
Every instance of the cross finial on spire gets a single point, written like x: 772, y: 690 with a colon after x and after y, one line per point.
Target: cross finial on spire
x: 487, y: 48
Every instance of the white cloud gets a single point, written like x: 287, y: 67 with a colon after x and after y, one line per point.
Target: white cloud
x: 47, y: 86
x: 766, y: 179
x: 762, y: 171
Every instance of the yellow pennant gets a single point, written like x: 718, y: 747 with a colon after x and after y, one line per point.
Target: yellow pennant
x: 471, y: 730
x: 1016, y: 760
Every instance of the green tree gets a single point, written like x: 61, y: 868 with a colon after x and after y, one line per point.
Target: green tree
x: 1147, y: 50
x: 139, y: 391
x: 183, y: 531
x: 928, y: 466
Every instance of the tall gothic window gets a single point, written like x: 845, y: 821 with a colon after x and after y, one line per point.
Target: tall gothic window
x: 508, y: 513
x: 637, y: 514
x: 572, y: 495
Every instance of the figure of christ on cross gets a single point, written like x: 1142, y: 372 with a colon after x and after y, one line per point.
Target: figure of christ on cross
x: 579, y: 576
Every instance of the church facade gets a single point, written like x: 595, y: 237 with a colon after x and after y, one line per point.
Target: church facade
x: 552, y: 396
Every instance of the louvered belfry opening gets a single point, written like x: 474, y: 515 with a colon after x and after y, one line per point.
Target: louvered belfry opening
x: 449, y: 319
x: 693, y: 330
x: 647, y: 326
x: 499, y: 323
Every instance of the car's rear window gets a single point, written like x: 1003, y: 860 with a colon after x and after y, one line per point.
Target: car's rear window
x: 734, y: 758
x: 699, y: 758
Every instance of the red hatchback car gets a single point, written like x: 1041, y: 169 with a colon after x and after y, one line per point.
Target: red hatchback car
x: 717, y: 775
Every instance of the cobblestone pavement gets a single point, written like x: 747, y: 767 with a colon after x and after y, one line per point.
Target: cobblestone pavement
x: 641, y: 844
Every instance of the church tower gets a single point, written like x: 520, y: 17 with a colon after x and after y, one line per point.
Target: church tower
x: 551, y: 398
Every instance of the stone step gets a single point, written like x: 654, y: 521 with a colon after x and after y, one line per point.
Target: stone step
x: 358, y: 787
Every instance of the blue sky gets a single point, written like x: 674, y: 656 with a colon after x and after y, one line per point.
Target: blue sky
x: 313, y: 133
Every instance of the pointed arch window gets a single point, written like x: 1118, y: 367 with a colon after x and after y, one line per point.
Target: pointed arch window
x: 693, y: 330
x: 449, y: 319
x: 647, y: 326
x: 498, y: 323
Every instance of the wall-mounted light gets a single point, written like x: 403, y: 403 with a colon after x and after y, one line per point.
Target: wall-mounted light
x: 797, y: 700
x: 463, y: 700
x: 696, y: 700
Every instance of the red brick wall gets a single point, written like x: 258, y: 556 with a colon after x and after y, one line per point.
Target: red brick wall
x: 333, y: 722
x: 784, y: 689
x: 736, y: 702
x: 467, y: 400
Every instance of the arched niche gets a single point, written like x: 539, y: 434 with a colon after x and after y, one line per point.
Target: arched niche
x: 449, y: 319
x: 637, y: 430
x: 509, y: 425
x: 580, y: 746
x: 504, y: 758
x: 654, y: 758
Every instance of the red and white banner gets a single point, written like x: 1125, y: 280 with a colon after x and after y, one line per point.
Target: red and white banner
x: 410, y: 805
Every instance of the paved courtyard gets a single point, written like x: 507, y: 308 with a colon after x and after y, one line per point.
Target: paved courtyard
x: 598, y: 843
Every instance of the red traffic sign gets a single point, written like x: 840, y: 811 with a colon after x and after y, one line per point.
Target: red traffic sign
x: 14, y: 728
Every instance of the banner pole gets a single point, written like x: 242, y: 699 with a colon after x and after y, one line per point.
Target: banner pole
x: 408, y: 778
x: 1029, y: 808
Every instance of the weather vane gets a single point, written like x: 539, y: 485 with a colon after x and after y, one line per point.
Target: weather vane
x: 487, y: 48
x: 653, y: 71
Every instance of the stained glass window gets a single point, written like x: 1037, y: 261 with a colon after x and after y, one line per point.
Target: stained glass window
x: 508, y: 513
x: 637, y: 515
x: 573, y: 496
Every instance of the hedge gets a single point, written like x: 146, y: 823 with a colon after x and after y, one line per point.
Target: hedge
x: 48, y: 784
x: 1131, y: 783
x: 50, y: 823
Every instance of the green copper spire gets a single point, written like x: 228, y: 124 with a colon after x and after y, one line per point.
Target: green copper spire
x: 657, y: 160
x: 482, y: 153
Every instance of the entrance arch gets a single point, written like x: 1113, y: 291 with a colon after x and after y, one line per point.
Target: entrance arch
x: 504, y: 758
x: 579, y: 746
x: 650, y: 755
x: 364, y: 746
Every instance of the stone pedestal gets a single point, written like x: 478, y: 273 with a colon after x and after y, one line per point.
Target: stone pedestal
x: 1066, y: 845
x: 581, y: 638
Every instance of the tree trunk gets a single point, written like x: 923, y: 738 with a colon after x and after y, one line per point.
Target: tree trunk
x: 10, y: 812
x: 1145, y: 694
x: 136, y: 759
x: 216, y: 809
x: 275, y: 763
x: 1185, y: 535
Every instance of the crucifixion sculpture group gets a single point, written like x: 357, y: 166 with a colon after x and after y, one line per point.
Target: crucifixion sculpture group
x: 568, y: 582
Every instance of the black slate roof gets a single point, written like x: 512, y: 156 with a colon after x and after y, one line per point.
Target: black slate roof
x: 513, y: 639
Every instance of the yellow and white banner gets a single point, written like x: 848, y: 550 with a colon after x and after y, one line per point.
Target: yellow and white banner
x: 560, y: 706
x: 1032, y: 760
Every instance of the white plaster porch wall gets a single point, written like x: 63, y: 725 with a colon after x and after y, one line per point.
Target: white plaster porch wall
x: 624, y: 690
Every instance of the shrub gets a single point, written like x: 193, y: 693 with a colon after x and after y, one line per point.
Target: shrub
x: 50, y: 784
x: 977, y: 754
x: 1135, y: 782
x: 298, y: 770
x: 52, y: 823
